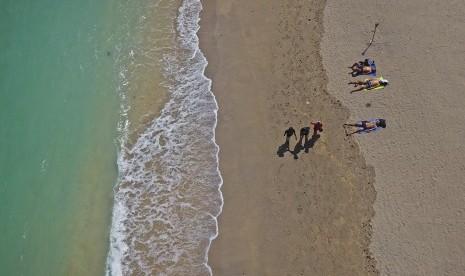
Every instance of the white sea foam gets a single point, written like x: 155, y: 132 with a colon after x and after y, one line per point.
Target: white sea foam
x: 168, y: 194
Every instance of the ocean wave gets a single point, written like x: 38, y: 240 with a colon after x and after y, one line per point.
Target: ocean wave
x: 168, y: 194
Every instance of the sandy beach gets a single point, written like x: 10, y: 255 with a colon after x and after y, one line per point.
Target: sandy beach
x: 284, y: 213
x: 313, y: 215
x: 419, y: 159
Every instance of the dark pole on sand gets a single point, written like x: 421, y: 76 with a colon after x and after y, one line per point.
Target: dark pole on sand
x: 371, y: 41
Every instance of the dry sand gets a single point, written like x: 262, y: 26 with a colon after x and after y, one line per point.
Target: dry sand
x: 419, y: 160
x: 282, y: 216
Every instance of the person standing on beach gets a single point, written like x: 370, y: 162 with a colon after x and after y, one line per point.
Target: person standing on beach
x: 288, y: 133
x: 304, y: 133
x: 317, y: 127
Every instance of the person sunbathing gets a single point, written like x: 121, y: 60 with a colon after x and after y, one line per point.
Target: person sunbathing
x: 367, y: 67
x: 373, y: 124
x: 369, y: 84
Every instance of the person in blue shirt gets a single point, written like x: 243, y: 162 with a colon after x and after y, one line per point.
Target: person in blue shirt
x: 304, y: 133
x: 373, y: 124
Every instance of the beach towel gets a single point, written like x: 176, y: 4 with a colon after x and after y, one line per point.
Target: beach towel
x: 365, y: 131
x: 371, y: 63
x: 373, y: 70
x: 375, y: 88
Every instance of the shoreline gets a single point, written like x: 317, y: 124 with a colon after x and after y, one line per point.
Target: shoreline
x: 167, y: 197
x: 282, y: 215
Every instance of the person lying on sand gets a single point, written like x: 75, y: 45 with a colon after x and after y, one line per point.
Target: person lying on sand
x: 366, y: 67
x: 373, y: 124
x: 370, y: 84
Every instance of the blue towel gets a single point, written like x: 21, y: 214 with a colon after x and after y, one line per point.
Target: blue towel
x: 372, y: 64
x: 365, y: 131
x: 373, y: 69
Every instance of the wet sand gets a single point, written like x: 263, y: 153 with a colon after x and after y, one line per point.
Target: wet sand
x: 419, y: 159
x: 282, y: 215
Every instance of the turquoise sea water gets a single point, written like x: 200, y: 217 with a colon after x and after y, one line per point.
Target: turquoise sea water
x: 108, y: 160
x: 59, y: 110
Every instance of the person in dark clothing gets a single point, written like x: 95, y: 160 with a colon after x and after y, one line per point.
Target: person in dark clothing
x: 304, y: 132
x: 288, y: 133
x: 317, y: 127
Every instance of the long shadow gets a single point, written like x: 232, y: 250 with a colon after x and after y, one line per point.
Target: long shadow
x: 283, y: 149
x: 372, y: 39
x: 298, y: 148
x: 310, y: 143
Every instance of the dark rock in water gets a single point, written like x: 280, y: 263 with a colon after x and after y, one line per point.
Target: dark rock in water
x: 108, y: 54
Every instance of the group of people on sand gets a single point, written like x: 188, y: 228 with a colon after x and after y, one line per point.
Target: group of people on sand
x: 367, y: 67
x: 304, y: 132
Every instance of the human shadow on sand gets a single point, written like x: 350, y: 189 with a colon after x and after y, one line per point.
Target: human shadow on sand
x: 298, y: 148
x: 283, y: 149
x: 310, y: 143
x: 307, y: 145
